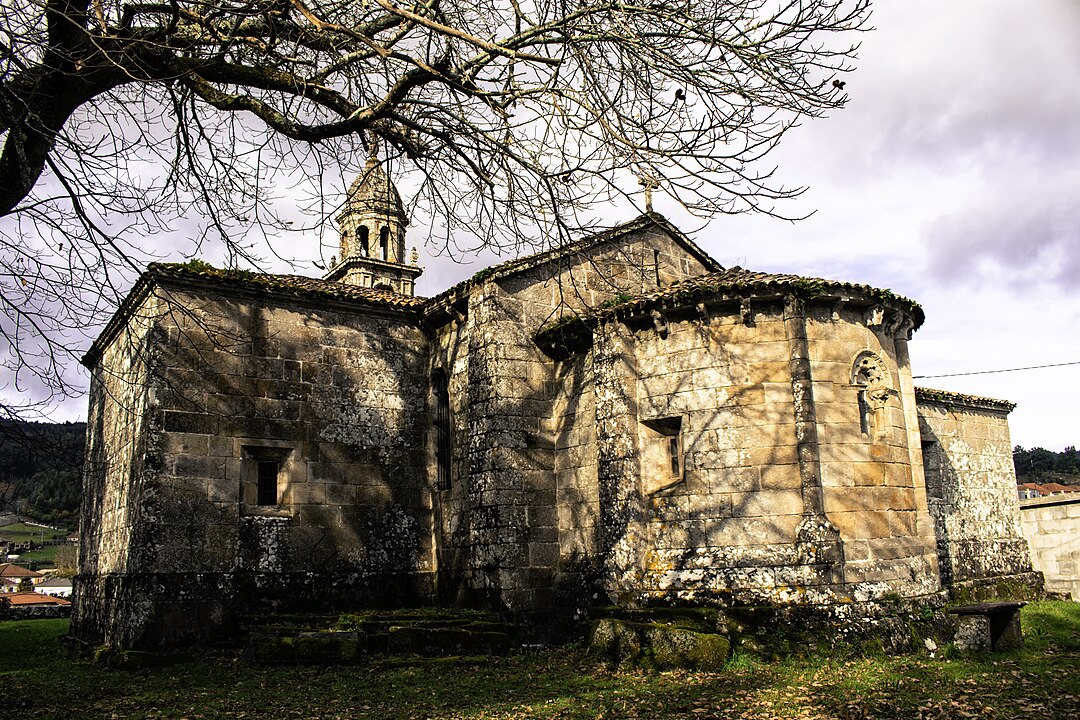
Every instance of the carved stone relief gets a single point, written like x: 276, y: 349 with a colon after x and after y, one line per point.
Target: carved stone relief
x: 872, y: 377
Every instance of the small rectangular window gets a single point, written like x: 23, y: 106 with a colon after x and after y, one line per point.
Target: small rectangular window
x: 266, y: 478
x: 662, y: 463
x: 268, y: 482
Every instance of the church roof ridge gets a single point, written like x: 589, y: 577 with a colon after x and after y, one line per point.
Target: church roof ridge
x: 198, y: 271
x: 527, y: 262
x: 293, y: 284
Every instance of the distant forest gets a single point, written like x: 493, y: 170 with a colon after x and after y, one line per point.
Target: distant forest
x: 41, y: 470
x: 1042, y: 465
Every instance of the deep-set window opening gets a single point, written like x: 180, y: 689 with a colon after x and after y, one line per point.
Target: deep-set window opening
x: 267, y: 493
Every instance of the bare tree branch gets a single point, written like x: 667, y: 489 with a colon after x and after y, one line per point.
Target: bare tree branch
x: 121, y: 121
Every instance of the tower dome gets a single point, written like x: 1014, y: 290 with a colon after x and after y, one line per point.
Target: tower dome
x: 372, y: 225
x: 373, y: 192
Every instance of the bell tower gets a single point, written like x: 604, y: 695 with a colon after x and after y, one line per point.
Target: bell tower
x: 372, y: 226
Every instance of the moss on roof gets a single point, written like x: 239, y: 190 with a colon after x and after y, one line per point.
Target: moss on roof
x: 297, y: 285
x: 735, y: 282
x: 947, y: 397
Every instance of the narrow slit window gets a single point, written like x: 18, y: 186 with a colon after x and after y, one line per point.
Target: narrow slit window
x: 932, y: 469
x: 866, y: 417
x: 442, y: 431
x: 364, y: 240
x: 675, y: 456
x: 267, y: 493
x: 384, y: 243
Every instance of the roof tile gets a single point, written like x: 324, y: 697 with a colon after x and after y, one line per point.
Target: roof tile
x: 739, y: 279
x: 33, y: 598
x: 948, y: 397
x: 11, y: 570
x: 290, y: 284
x: 733, y: 281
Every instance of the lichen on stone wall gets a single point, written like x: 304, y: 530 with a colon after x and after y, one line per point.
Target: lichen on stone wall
x: 972, y: 488
x: 678, y: 434
x: 263, y: 543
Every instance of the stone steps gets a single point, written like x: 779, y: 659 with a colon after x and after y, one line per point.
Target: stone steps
x: 352, y: 638
x: 659, y: 638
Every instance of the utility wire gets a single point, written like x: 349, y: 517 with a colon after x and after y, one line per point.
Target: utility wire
x: 990, y: 372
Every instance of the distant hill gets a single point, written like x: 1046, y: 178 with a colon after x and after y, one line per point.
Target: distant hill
x: 1039, y: 465
x: 41, y: 470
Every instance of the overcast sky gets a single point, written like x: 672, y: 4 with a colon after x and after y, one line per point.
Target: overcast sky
x: 953, y: 178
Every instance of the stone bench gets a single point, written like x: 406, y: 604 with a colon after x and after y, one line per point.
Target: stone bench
x: 989, y: 626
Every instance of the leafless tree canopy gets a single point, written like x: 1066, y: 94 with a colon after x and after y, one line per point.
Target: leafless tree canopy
x: 117, y: 117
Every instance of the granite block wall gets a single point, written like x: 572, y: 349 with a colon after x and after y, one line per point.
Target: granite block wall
x: 872, y: 485
x: 115, y: 494
x: 728, y: 524
x: 971, y: 484
x: 756, y: 442
x: 642, y: 261
x: 521, y: 514
x: 335, y: 399
x: 1051, y: 526
x: 732, y: 462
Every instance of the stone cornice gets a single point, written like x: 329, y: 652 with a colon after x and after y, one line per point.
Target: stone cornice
x: 739, y: 289
x: 390, y: 268
x: 955, y: 399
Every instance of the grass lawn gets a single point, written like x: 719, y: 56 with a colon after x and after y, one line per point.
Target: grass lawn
x: 35, y: 559
x: 21, y: 532
x: 39, y: 680
x: 40, y: 558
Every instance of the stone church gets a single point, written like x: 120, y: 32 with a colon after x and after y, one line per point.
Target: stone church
x: 617, y: 420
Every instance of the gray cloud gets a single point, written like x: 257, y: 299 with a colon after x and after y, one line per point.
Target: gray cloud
x: 982, y: 100
x: 1034, y: 236
x: 950, y: 84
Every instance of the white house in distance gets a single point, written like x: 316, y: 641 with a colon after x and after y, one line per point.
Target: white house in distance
x: 54, y: 587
